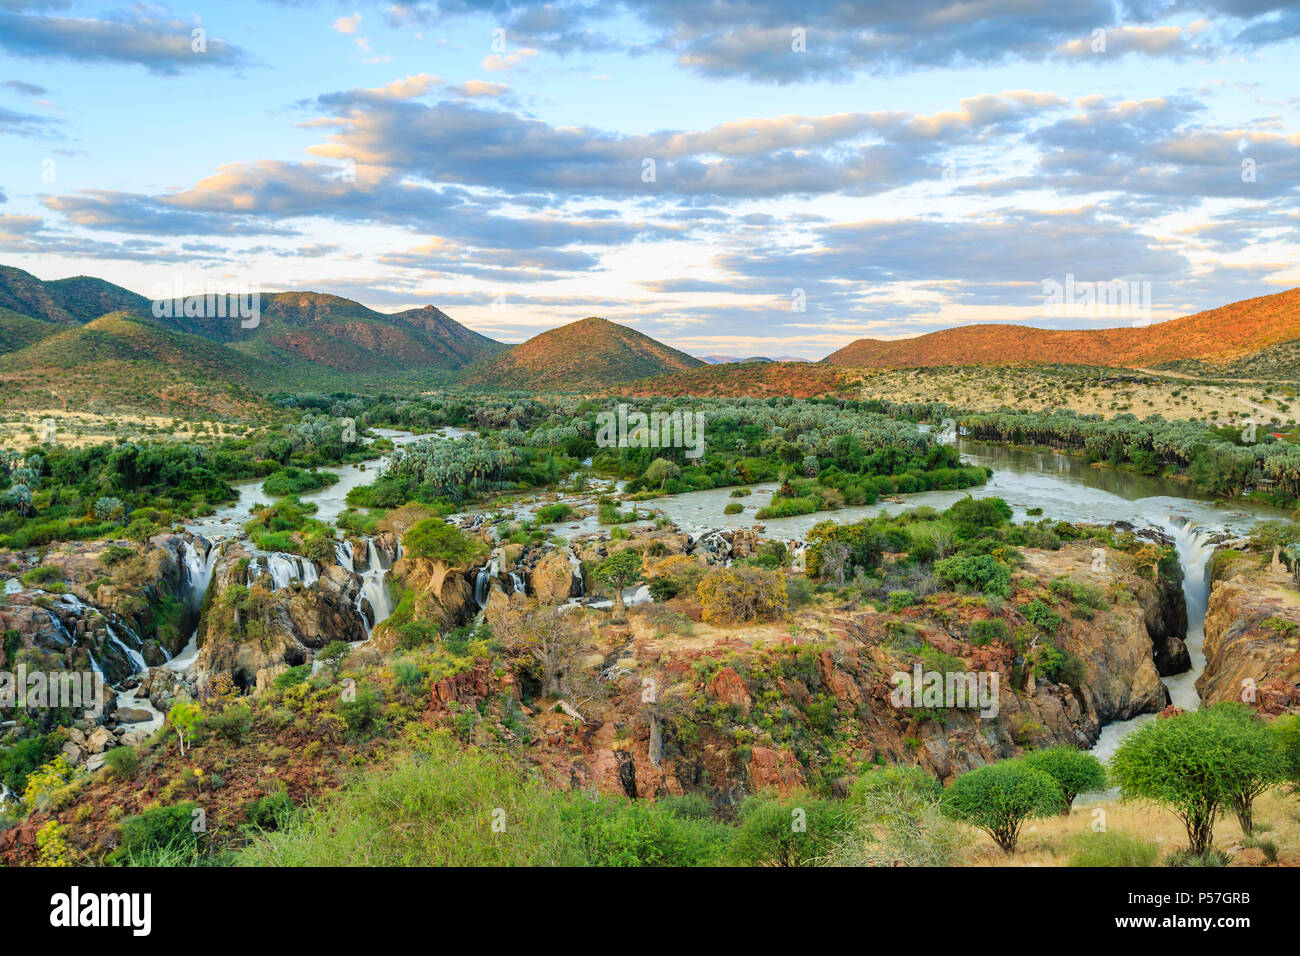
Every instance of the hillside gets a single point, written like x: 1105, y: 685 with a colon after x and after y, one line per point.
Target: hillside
x: 121, y: 363
x: 19, y: 331
x: 310, y: 336
x: 65, y: 301
x: 589, y: 354
x: 1218, y: 336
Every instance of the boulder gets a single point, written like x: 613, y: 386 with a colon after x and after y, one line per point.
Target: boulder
x: 552, y: 578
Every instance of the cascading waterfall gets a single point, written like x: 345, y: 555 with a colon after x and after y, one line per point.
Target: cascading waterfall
x: 576, y: 565
x: 482, y: 586
x: 517, y: 583
x: 374, y: 589
x: 1194, y: 553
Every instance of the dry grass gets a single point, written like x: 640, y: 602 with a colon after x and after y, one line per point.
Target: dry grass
x: 1045, y: 842
x: 21, y: 430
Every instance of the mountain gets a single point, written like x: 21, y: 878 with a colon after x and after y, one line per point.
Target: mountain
x: 337, y: 333
x: 65, y: 301
x: 124, y: 364
x: 1218, y: 336
x: 735, y: 359
x: 308, y: 334
x: 589, y: 354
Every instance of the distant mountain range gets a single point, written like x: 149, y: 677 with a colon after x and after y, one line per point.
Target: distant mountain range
x: 735, y: 359
x: 1217, y: 336
x: 89, y: 344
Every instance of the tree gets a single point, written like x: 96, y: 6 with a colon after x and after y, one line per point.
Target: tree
x: 1000, y: 797
x: 551, y: 637
x: 1196, y: 763
x: 184, y: 717
x: 1260, y: 756
x: 738, y: 594
x: 333, y: 654
x: 618, y: 571
x: 1075, y: 771
x: 659, y: 471
x: 436, y: 540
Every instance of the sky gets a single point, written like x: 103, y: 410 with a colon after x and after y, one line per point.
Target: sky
x: 736, y: 177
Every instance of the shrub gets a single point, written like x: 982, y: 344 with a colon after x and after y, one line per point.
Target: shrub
x: 1075, y: 771
x: 122, y: 761
x: 1000, y: 797
x: 980, y: 572
x: 738, y: 594
x: 788, y: 831
x: 734, y: 508
x: 436, y: 540
x: 294, y: 675
x: 20, y: 760
x: 985, y: 632
x: 899, y: 822
x: 901, y: 599
x: 613, y: 832
x: 1042, y: 616
x: 270, y: 812
x: 233, y: 723
x: 167, y: 830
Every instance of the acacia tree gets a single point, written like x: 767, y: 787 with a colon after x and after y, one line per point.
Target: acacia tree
x: 1075, y: 771
x: 1000, y: 797
x: 618, y: 571
x: 1197, y: 763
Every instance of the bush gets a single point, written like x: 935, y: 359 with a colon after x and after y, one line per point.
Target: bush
x: 734, y: 508
x: 270, y: 812
x: 233, y: 723
x: 901, y: 599
x: 294, y: 675
x: 1042, y: 616
x: 363, y: 713
x: 1075, y: 771
x: 899, y: 822
x: 985, y: 632
x: 20, y: 760
x: 613, y: 832
x: 738, y: 594
x: 1000, y: 797
x: 168, y: 830
x: 122, y: 761
x: 980, y: 572
x: 436, y: 540
x: 790, y: 831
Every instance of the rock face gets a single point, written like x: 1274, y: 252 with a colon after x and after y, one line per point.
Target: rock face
x: 441, y: 593
x: 1252, y: 637
x: 248, y: 629
x: 552, y: 578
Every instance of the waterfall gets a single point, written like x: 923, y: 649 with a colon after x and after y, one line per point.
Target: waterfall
x: 198, y: 570
x: 482, y: 585
x: 1194, y: 553
x: 517, y: 583
x: 343, y: 555
x: 374, y: 589
x: 576, y: 565
x: 132, y: 654
x: 283, y: 568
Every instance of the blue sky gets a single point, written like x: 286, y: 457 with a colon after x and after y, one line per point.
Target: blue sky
x: 913, y: 166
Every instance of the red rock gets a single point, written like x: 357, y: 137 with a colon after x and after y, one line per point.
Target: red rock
x: 727, y: 688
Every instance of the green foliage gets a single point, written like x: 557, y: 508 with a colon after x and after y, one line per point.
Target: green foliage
x: 1197, y: 763
x: 122, y: 761
x: 162, y: 829
x: 1041, y: 616
x: 436, y: 540
x: 797, y: 830
x: 270, y: 812
x: 233, y: 723
x: 1000, y: 797
x: 1075, y: 771
x: 985, y: 632
x: 1111, y: 848
x: 981, y: 572
x: 24, y: 757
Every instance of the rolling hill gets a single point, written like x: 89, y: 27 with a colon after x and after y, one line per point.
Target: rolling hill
x: 1218, y: 336
x: 308, y: 334
x: 592, y: 353
x: 121, y: 363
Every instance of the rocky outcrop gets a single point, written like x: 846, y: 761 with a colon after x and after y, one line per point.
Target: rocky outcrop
x: 1252, y: 636
x: 440, y: 593
x: 552, y: 579
x: 249, y: 628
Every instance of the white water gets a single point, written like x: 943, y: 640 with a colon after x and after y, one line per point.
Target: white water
x: 374, y: 588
